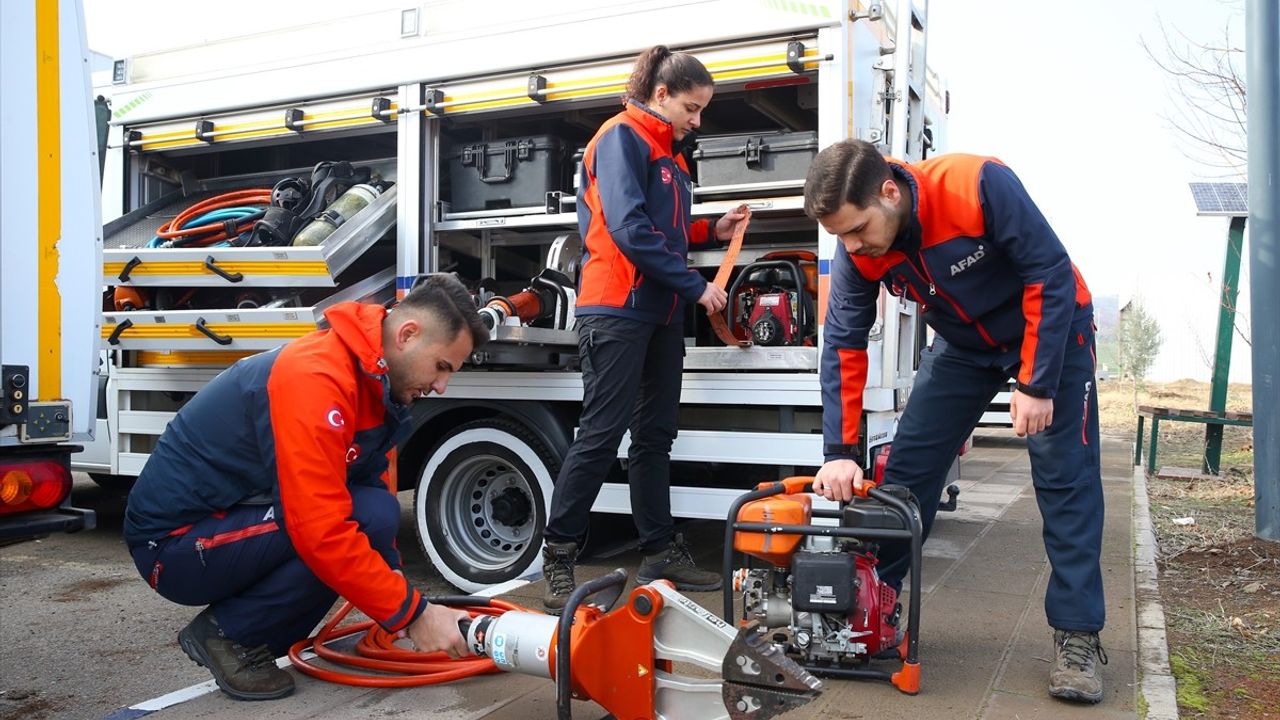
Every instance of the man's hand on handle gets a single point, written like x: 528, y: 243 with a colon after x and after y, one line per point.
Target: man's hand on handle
x: 840, y: 480
x: 1030, y: 415
x: 713, y: 298
x: 436, y: 629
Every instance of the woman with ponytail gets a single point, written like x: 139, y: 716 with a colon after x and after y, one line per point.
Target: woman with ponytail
x: 634, y: 203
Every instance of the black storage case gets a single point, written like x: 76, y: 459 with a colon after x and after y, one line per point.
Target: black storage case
x: 510, y: 173
x: 754, y: 158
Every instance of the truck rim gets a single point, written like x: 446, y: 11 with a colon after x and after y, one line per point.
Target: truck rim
x: 498, y: 523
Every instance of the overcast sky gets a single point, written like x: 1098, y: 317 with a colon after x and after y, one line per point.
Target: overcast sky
x: 1062, y: 92
x: 1067, y: 96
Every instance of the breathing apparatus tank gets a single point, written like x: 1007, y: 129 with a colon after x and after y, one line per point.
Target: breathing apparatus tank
x: 355, y: 199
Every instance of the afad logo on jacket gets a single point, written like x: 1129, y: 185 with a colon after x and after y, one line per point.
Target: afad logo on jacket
x: 966, y: 262
x: 666, y: 175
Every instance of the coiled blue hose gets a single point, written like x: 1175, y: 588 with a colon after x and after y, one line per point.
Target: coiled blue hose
x: 215, y: 216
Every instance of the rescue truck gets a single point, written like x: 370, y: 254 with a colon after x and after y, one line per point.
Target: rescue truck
x: 450, y: 133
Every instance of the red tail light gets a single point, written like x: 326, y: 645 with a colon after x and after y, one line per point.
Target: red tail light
x: 881, y: 459
x: 33, y: 484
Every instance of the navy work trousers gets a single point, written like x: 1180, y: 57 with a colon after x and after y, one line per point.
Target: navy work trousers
x: 630, y: 379
x: 952, y: 389
x: 241, y: 563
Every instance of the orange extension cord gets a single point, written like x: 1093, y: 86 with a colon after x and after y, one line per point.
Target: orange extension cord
x: 173, y: 229
x: 377, y: 651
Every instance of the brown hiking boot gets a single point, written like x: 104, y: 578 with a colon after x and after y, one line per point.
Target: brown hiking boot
x: 557, y: 569
x: 243, y: 673
x: 1074, y: 675
x: 676, y: 564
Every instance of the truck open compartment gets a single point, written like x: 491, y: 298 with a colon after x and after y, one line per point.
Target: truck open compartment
x: 227, y: 298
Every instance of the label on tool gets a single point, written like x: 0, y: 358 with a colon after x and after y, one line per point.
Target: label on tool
x: 499, y: 652
x: 823, y: 595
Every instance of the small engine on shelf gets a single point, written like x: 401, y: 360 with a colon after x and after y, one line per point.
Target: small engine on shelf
x: 772, y: 300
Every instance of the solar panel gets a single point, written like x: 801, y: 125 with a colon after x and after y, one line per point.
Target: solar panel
x: 1226, y: 199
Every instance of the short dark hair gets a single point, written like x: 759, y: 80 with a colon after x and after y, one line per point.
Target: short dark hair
x: 446, y: 299
x: 680, y: 72
x: 849, y: 171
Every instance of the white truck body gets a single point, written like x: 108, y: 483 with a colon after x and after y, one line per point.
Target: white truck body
x: 50, y: 237
x: 395, y: 89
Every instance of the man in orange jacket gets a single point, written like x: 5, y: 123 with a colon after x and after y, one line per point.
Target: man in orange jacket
x: 269, y: 494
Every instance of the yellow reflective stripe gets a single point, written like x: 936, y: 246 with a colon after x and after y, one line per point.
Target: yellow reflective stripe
x: 49, y: 202
x: 246, y: 267
x: 260, y: 129
x: 238, y: 331
x: 593, y: 92
x: 566, y: 90
x: 192, y: 357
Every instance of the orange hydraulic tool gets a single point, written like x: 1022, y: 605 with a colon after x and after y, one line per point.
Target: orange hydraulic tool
x: 622, y: 658
x: 549, y: 300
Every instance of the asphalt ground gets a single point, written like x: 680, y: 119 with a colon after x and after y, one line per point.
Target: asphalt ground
x: 82, y: 636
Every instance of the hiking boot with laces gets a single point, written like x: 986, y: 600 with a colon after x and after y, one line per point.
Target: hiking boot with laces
x: 1074, y: 675
x: 676, y: 564
x: 243, y: 673
x: 557, y: 569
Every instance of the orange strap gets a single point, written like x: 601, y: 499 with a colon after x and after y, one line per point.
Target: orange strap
x: 718, y: 322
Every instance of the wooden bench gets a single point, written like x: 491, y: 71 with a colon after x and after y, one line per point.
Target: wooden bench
x: 1158, y: 413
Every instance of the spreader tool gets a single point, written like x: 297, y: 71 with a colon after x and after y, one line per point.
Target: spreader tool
x: 624, y: 658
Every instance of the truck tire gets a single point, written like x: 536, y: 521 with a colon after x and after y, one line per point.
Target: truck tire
x: 481, y: 503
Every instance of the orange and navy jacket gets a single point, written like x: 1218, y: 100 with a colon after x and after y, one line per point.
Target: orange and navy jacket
x: 987, y: 271
x: 298, y: 424
x: 634, y: 202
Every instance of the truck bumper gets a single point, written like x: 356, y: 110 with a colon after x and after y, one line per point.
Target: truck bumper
x: 62, y: 519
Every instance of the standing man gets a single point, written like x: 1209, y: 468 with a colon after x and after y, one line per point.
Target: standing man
x: 270, y: 493
x: 959, y: 235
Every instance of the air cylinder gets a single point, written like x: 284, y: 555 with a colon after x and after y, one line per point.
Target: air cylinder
x: 355, y: 199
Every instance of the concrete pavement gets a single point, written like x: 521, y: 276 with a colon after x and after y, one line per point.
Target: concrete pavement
x: 985, y: 647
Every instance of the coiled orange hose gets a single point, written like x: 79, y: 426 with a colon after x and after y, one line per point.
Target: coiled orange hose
x: 173, y: 228
x: 377, y: 651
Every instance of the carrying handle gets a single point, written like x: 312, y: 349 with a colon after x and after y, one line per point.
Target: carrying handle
x: 211, y: 265
x: 129, y: 267
x: 115, y: 334
x: 214, y: 336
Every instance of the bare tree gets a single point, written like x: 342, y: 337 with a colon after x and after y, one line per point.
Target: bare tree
x: 1207, y: 82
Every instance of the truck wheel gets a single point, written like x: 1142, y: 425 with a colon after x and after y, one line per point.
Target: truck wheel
x: 481, y: 503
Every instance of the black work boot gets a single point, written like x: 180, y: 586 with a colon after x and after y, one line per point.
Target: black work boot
x: 1074, y: 675
x: 676, y: 564
x: 243, y: 673
x: 557, y: 568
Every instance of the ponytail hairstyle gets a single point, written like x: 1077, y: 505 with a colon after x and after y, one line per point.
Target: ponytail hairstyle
x: 680, y: 72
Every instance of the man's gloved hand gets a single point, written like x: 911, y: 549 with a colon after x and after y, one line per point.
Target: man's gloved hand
x: 840, y: 480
